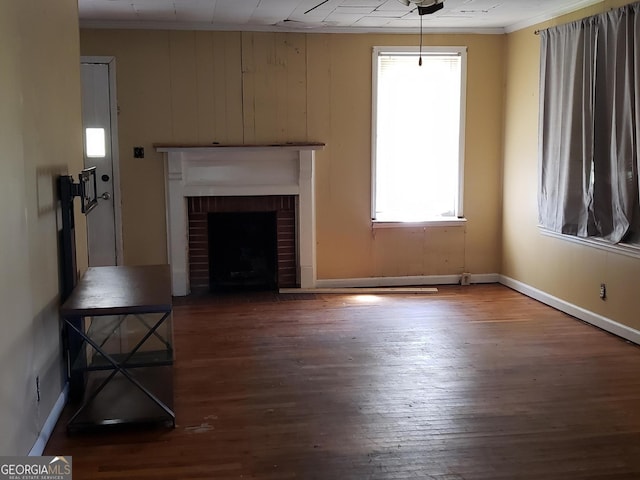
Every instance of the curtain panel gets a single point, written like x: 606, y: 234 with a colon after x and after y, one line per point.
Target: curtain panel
x: 590, y: 127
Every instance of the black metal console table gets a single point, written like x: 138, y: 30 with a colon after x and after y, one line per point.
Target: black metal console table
x: 126, y: 338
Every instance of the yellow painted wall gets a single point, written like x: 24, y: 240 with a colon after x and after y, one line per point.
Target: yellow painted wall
x: 231, y: 87
x: 565, y: 270
x: 40, y: 137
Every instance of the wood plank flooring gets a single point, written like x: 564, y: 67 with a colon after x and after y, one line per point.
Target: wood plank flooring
x: 470, y: 383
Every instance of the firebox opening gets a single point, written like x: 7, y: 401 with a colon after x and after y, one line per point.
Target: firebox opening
x: 242, y: 251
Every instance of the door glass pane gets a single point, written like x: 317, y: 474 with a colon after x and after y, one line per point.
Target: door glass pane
x: 95, y: 146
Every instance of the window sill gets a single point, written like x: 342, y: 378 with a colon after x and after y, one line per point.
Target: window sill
x: 620, y: 248
x: 454, y: 222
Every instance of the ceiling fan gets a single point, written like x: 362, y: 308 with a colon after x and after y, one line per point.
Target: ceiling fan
x: 425, y: 7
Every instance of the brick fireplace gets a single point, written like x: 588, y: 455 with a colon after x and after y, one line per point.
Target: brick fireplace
x: 201, y: 176
x: 200, y: 244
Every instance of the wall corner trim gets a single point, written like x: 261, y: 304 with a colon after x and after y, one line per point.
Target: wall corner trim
x: 580, y: 313
x: 50, y: 423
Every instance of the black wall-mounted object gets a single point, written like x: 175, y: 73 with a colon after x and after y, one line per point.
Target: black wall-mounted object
x: 67, y: 191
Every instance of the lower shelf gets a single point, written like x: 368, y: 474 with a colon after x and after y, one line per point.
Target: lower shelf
x: 122, y: 402
x: 152, y: 358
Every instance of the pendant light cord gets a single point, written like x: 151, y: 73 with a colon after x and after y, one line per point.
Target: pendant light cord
x: 420, y: 57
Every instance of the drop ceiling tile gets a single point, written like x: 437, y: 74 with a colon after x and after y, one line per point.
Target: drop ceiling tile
x: 149, y: 11
x: 316, y: 8
x: 390, y: 13
x: 394, y: 5
x: 373, y: 21
x: 272, y: 11
x: 362, y: 3
x: 234, y: 11
x: 361, y: 11
x: 199, y: 15
x: 506, y: 14
x: 343, y: 19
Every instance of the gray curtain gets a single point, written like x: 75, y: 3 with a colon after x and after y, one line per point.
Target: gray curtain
x: 590, y: 126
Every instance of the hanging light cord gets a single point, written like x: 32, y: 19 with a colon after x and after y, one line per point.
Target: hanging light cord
x: 420, y: 57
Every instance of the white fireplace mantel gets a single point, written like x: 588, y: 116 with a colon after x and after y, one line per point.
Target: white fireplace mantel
x: 239, y: 170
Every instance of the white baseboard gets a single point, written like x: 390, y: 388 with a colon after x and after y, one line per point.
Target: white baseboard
x: 404, y: 281
x: 50, y: 423
x: 595, y: 319
x: 485, y: 278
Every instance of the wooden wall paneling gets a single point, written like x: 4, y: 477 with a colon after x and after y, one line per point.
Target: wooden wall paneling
x: 411, y: 247
x: 248, y: 88
x: 446, y: 250
x: 318, y: 90
x: 228, y: 87
x: 274, y: 87
x: 407, y: 244
x: 296, y: 71
x: 205, y: 62
x: 483, y: 157
x: 318, y: 78
x: 163, y: 92
x: 350, y: 173
x: 419, y: 251
x: 268, y: 107
x: 184, y: 87
x: 385, y: 240
x: 281, y: 73
x: 144, y: 99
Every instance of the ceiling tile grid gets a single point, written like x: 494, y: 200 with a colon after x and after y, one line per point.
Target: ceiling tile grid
x: 494, y: 16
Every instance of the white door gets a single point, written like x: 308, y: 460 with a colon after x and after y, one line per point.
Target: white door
x: 98, y: 118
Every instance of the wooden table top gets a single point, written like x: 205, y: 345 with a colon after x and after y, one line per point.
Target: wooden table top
x: 120, y: 290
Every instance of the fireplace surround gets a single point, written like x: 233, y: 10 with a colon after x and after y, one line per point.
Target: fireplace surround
x: 239, y: 170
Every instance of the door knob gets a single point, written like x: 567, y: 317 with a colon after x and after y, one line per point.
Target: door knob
x: 105, y: 196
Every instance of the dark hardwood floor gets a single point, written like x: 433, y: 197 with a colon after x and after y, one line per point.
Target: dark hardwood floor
x: 471, y: 383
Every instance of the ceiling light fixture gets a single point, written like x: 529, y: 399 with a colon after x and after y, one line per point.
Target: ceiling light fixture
x: 428, y: 10
x: 425, y: 7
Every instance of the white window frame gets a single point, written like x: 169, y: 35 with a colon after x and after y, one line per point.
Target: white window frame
x: 458, y: 219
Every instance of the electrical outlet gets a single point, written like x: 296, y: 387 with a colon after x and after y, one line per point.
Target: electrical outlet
x: 38, y: 388
x: 465, y: 279
x: 603, y: 291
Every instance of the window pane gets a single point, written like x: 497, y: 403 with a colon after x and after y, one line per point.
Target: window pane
x: 417, y: 137
x: 95, y: 143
